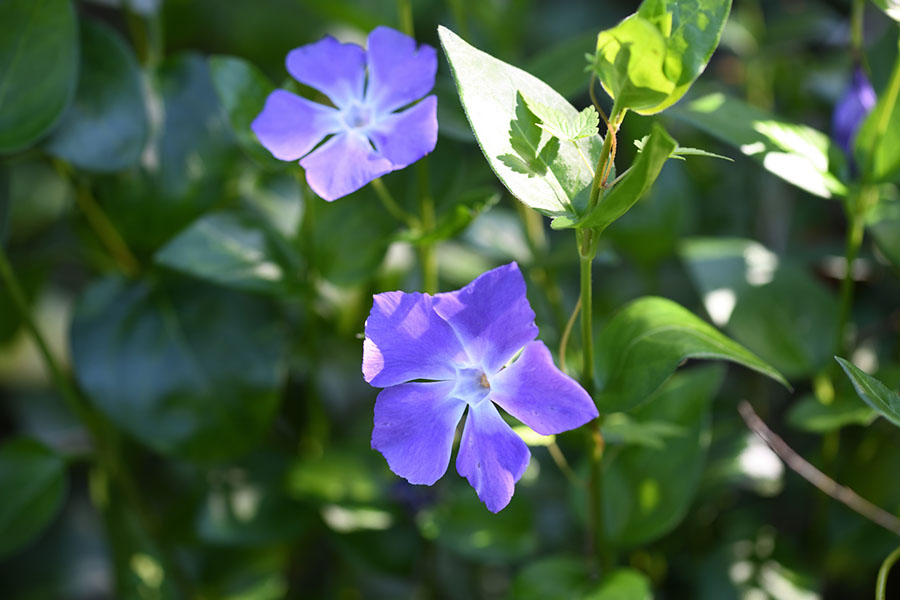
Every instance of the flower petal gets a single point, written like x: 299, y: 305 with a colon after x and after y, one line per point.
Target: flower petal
x: 491, y: 315
x: 398, y: 72
x: 342, y: 165
x: 406, y: 340
x: 415, y: 424
x: 491, y: 456
x: 335, y: 69
x: 405, y: 137
x: 290, y: 126
x: 535, y: 392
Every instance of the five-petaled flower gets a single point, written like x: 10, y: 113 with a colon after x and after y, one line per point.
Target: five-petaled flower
x: 437, y: 355
x: 367, y: 88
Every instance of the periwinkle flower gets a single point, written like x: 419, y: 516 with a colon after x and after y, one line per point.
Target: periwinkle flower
x: 852, y: 108
x: 371, y: 136
x: 437, y: 356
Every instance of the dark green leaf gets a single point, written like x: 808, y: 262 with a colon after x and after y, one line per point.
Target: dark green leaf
x: 876, y: 394
x: 549, y: 177
x: 798, y: 154
x: 890, y: 7
x: 619, y: 428
x: 777, y: 310
x: 242, y: 90
x: 33, y: 480
x: 634, y: 184
x: 38, y: 68
x: 561, y: 66
x: 106, y: 126
x: 187, y: 369
x: 811, y: 414
x: 643, y: 344
x: 648, y: 489
x: 552, y: 578
x: 233, y: 249
x: 622, y: 584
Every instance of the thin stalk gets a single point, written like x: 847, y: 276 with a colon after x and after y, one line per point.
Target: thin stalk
x: 428, y: 219
x: 405, y: 14
x: 564, y: 340
x: 857, y: 206
x: 107, y: 233
x: 856, y: 28
x: 881, y: 586
x: 391, y: 205
x: 587, y: 336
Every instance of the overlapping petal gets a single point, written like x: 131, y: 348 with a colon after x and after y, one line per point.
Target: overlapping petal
x: 290, y: 126
x: 414, y: 429
x: 335, y: 69
x: 342, y: 165
x: 491, y: 456
x: 405, y: 137
x: 399, y: 72
x: 535, y: 392
x: 491, y: 316
x: 407, y: 340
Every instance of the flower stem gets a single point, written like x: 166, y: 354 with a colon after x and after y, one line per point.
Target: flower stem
x: 857, y: 205
x: 405, y: 13
x: 387, y: 200
x: 426, y: 250
x: 881, y: 586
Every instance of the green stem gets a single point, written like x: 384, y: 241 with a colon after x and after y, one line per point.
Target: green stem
x: 426, y: 250
x: 881, y: 586
x: 404, y: 10
x: 607, y: 155
x: 391, y: 205
x: 587, y: 337
x: 856, y: 28
x: 857, y: 205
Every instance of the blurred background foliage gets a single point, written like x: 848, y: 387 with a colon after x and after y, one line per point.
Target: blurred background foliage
x: 215, y: 443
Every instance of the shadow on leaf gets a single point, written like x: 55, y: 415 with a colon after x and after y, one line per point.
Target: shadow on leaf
x: 525, y: 138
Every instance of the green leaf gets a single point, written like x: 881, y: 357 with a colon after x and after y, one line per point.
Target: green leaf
x: 682, y: 151
x: 33, y: 480
x: 811, y: 414
x: 800, y: 155
x: 643, y: 344
x: 622, y: 584
x: 551, y: 578
x: 876, y: 146
x: 233, y: 249
x: 242, y: 89
x: 634, y: 184
x: 468, y: 208
x: 630, y: 63
x: 585, y: 124
x: 619, y: 428
x: 649, y: 489
x: 38, y: 68
x: 106, y: 126
x: 545, y: 175
x: 873, y: 392
x: 648, y: 61
x: 187, y: 369
x: 561, y: 66
x: 779, y: 311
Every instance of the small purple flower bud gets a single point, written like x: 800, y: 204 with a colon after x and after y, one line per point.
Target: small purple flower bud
x: 855, y: 103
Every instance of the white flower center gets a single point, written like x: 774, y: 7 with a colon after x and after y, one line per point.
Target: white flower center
x: 357, y: 116
x: 472, y: 386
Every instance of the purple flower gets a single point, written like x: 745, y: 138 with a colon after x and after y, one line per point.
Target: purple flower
x: 436, y: 356
x: 850, y: 111
x: 367, y: 88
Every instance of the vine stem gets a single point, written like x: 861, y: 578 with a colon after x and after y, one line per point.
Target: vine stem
x: 881, y: 586
x: 802, y: 467
x: 856, y: 208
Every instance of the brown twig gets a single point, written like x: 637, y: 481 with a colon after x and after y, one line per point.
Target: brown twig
x: 802, y: 467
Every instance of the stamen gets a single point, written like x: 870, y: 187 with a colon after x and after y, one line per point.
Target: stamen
x: 484, y: 381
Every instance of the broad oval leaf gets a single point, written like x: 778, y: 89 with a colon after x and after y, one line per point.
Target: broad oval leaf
x: 649, y: 489
x: 242, y: 89
x: 622, y: 584
x: 873, y: 392
x: 778, y: 310
x: 634, y: 184
x: 106, y: 126
x: 643, y: 344
x: 188, y: 369
x: 801, y: 155
x: 232, y: 249
x: 547, y: 176
x: 33, y: 480
x: 811, y: 414
x: 38, y: 68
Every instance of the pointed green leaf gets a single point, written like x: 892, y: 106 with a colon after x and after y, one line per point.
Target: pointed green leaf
x: 585, y: 124
x: 796, y: 153
x: 873, y: 392
x: 38, y: 68
x: 106, y: 126
x: 547, y: 176
x: 643, y: 344
x: 811, y: 414
x: 634, y: 184
x: 232, y: 249
x: 33, y: 480
x: 890, y: 7
x: 876, y: 148
x: 683, y: 151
